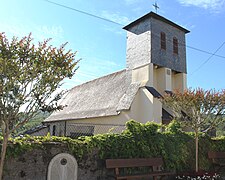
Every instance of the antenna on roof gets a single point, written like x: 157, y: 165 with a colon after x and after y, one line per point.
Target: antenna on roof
x: 155, y: 6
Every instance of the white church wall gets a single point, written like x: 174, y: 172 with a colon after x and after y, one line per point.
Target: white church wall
x: 141, y: 110
x: 179, y: 81
x: 142, y: 106
x: 143, y: 75
x: 155, y: 79
x: 162, y: 79
x: 100, y: 124
x: 168, y: 79
x: 157, y: 111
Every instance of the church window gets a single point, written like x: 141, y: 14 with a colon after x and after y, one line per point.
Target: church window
x: 53, y: 130
x: 175, y: 45
x: 163, y: 40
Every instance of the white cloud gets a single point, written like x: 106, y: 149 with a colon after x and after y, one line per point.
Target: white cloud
x: 39, y: 32
x: 116, y: 17
x: 114, y: 30
x: 215, y: 5
x: 55, y: 32
x: 98, y: 66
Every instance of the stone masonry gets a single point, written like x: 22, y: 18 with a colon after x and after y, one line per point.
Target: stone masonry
x: 33, y: 165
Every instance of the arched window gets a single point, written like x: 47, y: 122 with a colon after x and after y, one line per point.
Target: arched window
x: 175, y: 45
x: 163, y: 40
x: 53, y: 130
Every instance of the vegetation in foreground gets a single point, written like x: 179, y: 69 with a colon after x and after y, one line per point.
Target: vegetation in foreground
x: 29, y: 77
x: 138, y: 140
x: 199, y: 110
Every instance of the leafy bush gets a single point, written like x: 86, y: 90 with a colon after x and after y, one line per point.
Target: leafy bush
x: 137, y: 141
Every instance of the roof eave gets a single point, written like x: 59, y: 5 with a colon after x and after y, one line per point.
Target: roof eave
x: 156, y: 16
x: 76, y: 119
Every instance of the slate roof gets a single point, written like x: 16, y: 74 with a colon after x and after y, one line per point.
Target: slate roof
x: 105, y: 96
x: 156, y: 16
x: 154, y: 92
x: 34, y: 129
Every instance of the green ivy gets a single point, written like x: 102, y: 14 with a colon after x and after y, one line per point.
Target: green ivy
x: 176, y: 147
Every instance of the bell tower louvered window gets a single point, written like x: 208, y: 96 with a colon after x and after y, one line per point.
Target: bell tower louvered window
x: 163, y: 40
x: 175, y: 45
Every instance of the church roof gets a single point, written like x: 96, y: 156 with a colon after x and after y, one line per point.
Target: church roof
x: 158, y: 17
x: 105, y: 96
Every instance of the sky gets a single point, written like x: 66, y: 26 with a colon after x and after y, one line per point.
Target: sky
x: 101, y: 44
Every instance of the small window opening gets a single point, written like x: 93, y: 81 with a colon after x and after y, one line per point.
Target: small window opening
x: 53, y: 130
x: 175, y: 45
x: 163, y: 40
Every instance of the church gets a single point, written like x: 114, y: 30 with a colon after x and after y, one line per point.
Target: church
x: 155, y: 65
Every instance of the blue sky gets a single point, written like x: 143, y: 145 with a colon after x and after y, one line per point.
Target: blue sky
x: 102, y: 45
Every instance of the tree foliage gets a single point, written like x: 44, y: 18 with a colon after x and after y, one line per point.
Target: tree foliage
x: 29, y: 77
x: 32, y: 123
x: 198, y: 109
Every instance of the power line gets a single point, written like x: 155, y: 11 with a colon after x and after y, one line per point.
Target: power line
x: 206, y: 52
x: 190, y: 47
x: 111, y: 21
x: 83, y: 12
x: 207, y: 60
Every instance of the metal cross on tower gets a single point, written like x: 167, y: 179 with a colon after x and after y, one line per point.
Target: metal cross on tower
x: 156, y: 6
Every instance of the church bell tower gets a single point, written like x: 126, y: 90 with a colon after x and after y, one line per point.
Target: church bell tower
x: 156, y: 53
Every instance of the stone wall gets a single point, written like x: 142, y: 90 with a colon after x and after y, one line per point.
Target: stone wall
x: 33, y: 165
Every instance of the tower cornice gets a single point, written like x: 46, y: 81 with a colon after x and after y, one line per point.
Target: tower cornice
x: 158, y: 17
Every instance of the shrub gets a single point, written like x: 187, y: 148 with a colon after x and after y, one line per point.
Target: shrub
x: 137, y: 141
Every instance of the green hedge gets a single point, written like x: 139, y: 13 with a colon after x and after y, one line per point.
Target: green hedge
x: 153, y: 140
x: 138, y: 140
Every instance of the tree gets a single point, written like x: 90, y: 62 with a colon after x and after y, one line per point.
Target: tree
x: 32, y: 123
x: 198, y: 109
x: 29, y: 77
